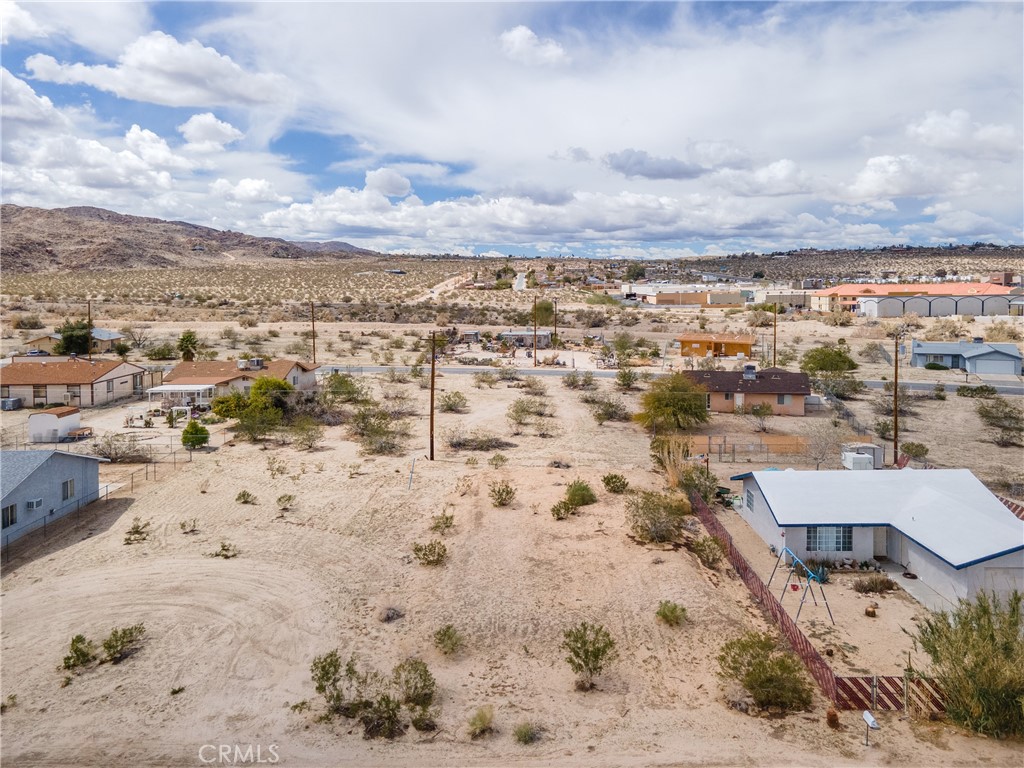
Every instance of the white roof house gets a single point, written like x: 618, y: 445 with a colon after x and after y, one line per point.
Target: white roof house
x: 942, y: 525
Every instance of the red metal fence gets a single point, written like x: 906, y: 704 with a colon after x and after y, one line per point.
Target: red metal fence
x: 872, y: 692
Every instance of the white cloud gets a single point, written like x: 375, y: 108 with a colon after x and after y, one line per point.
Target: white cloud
x: 104, y: 28
x: 956, y: 132
x: 205, y: 133
x: 158, y: 69
x: 17, y: 23
x: 889, y: 176
x: 24, y: 110
x: 248, y: 191
x: 782, y: 177
x: 388, y: 182
x: 633, y: 163
x: 522, y: 44
x: 153, y: 150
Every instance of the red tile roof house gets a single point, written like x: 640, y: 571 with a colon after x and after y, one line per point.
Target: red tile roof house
x: 732, y: 391
x: 238, y: 375
x: 71, y: 381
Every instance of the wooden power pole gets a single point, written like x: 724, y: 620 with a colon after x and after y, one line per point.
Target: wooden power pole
x: 312, y: 320
x: 775, y: 332
x: 896, y: 399
x: 534, y: 331
x: 433, y: 357
x: 88, y: 312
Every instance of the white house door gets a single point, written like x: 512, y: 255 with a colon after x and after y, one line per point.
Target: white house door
x: 880, y: 548
x: 739, y: 401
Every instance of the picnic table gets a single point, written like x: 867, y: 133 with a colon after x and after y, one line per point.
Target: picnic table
x: 74, y: 435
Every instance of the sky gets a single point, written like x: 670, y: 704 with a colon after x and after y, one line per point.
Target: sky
x: 598, y: 129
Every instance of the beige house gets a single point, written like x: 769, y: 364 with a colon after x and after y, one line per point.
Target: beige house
x: 238, y: 375
x: 102, y: 341
x: 72, y: 381
x: 737, y: 391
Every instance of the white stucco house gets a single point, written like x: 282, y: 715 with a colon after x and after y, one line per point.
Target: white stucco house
x: 942, y: 525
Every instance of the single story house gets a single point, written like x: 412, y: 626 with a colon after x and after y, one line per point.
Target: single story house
x: 44, y: 485
x: 103, y: 340
x: 734, y: 391
x: 972, y: 356
x: 238, y: 375
x: 914, y: 296
x: 524, y: 338
x: 942, y: 525
x: 53, y: 424
x: 716, y: 344
x: 72, y: 381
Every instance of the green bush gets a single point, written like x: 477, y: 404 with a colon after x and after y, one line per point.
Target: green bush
x: 615, y: 483
x: 139, y: 531
x: 916, y: 451
x: 936, y: 367
x: 442, y: 523
x: 381, y: 718
x: 563, y: 508
x: 655, y: 516
x: 709, y: 550
x: 448, y: 640
x: 977, y: 654
x: 671, y: 613
x: 432, y: 553
x: 194, y: 436
x: 81, y: 652
x: 452, y: 402
x: 580, y: 494
x: 226, y: 551
x: 502, y: 493
x: 773, y: 677
x: 414, y: 684
x: 875, y: 583
x: 245, y: 497
x: 123, y: 642
x: 285, y: 501
x: 982, y: 390
x: 528, y: 732
x: 482, y: 722
x: 590, y: 649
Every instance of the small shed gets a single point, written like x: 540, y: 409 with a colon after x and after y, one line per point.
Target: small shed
x: 53, y: 424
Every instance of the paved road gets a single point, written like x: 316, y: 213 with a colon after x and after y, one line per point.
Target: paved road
x: 916, y: 386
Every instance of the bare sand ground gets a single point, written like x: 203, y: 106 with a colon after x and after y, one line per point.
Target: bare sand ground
x: 239, y: 635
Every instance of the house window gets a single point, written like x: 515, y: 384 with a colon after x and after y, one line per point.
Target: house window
x: 38, y: 391
x: 295, y: 381
x: 110, y: 386
x: 136, y: 382
x: 5, y: 391
x: 32, y: 504
x: 750, y: 500
x: 830, y: 538
x: 935, y: 358
x: 707, y: 401
x: 728, y: 395
x: 10, y: 515
x: 784, y: 399
x: 67, y: 489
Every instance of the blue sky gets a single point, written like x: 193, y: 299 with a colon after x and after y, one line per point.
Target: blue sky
x: 649, y: 130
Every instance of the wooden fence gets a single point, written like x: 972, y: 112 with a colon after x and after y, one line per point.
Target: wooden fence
x: 872, y: 692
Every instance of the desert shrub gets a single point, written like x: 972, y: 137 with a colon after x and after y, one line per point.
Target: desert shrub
x: 306, y: 433
x: 695, y: 479
x: 433, y: 552
x: 709, y: 550
x: 939, y: 392
x: 457, y: 439
x: 118, y: 448
x: 579, y: 493
x: 1004, y: 417
x: 772, y: 676
x: 123, y: 642
x: 194, y: 436
x: 608, y: 409
x: 626, y: 379
x: 571, y: 380
x: 139, y: 531
x: 442, y: 523
x: 838, y: 317
x: 977, y: 654
x: 341, y: 684
x: 498, y: 460
x: 484, y: 379
x: 26, y: 322
x: 225, y: 551
x: 382, y: 718
x: 671, y: 613
x: 655, y: 516
x: 452, y: 402
x: 873, y: 352
x: 1002, y: 330
x: 482, y: 722
x: 502, y: 493
x: 285, y: 501
x: 448, y: 640
x: 936, y: 367
x: 534, y: 386
x: 189, y: 526
x: 563, y: 508
x: 81, y: 652
x: 414, y: 685
x: 344, y: 388
x: 916, y: 451
x: 982, y: 390
x: 527, y: 732
x: 256, y: 422
x: 883, y: 428
x: 615, y: 483
x: 875, y: 583
x: 590, y: 648
x: 246, y: 497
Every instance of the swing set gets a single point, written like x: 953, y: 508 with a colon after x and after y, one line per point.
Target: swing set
x: 809, y: 578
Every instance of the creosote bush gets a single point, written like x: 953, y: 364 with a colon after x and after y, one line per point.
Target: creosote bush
x: 452, y: 402
x: 876, y: 583
x: 580, y: 494
x: 590, y: 648
x: 655, y: 516
x: 245, y: 497
x: 448, y: 640
x: 431, y: 553
x: 482, y: 722
x: 772, y: 676
x: 671, y: 613
x: 615, y: 483
x: 528, y: 732
x: 709, y: 550
x: 502, y: 493
x: 81, y: 652
x: 563, y: 508
x: 123, y: 642
x: 442, y: 523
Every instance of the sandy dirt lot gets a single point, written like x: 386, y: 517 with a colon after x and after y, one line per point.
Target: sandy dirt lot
x: 238, y: 635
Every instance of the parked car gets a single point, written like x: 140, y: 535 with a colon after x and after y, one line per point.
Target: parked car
x: 37, y: 352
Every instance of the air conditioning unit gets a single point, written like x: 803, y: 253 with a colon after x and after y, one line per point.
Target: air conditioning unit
x: 243, y: 365
x: 255, y: 363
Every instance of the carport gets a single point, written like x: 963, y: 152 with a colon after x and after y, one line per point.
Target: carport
x: 187, y: 395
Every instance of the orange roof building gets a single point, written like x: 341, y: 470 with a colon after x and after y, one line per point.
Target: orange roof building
x: 71, y: 381
x: 716, y: 344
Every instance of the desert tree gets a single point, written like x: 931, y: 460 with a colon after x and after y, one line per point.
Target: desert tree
x: 75, y: 337
x: 188, y: 345
x: 673, y: 403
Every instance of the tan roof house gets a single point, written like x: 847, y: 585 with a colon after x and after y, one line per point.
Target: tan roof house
x: 238, y: 375
x: 72, y: 381
x: 736, y: 391
x: 103, y: 340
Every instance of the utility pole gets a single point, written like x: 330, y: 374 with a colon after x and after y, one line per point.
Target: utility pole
x: 896, y: 399
x: 433, y: 357
x: 534, y: 331
x: 88, y: 312
x: 554, y: 303
x: 775, y: 331
x: 312, y: 320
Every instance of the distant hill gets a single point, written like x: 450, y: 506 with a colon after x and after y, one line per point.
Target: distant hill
x: 39, y: 240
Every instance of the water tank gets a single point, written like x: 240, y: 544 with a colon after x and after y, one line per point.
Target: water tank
x: 857, y: 461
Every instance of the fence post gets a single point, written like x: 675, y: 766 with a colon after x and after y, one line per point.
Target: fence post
x: 874, y: 691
